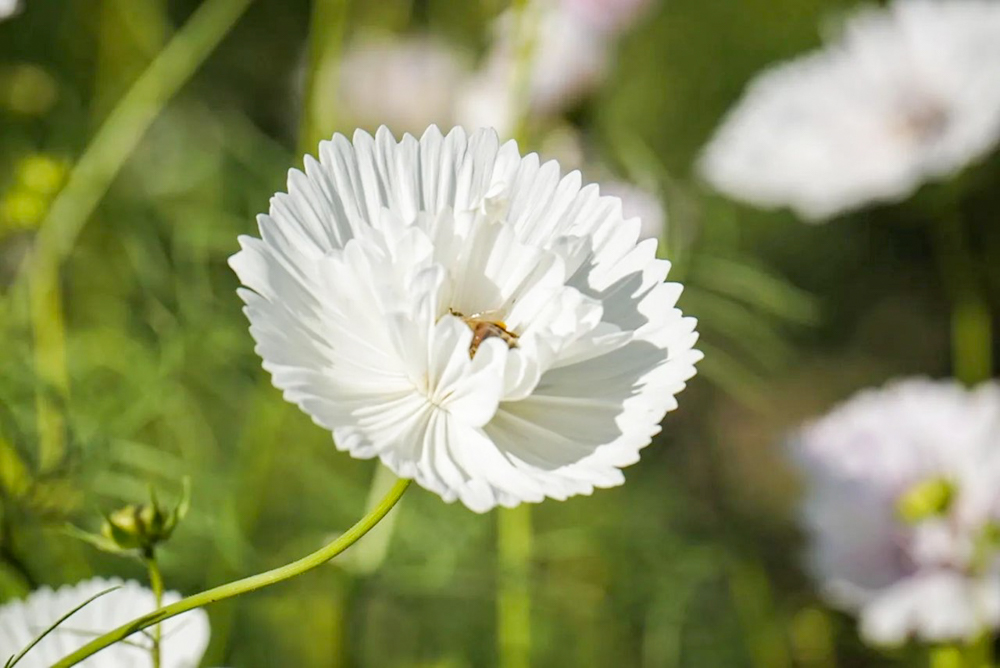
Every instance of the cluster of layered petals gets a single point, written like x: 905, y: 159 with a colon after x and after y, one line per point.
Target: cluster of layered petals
x: 471, y: 317
x: 903, y: 507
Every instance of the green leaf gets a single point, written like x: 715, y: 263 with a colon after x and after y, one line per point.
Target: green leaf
x: 754, y: 286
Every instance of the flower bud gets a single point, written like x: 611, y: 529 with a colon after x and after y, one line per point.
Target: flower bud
x: 137, y: 528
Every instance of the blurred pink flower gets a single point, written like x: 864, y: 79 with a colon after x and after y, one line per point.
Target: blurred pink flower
x: 611, y: 16
x: 405, y: 83
x: 902, y: 500
x: 569, y: 59
x: 908, y: 94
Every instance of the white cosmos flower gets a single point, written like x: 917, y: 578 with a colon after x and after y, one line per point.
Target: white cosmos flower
x: 478, y: 322
x: 406, y: 82
x: 933, y: 446
x: 184, y: 638
x: 908, y: 94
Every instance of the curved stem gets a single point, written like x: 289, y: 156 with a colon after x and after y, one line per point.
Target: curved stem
x: 124, y: 128
x: 252, y: 583
x: 520, y: 84
x: 156, y: 582
x: 321, y: 104
x: 971, y: 320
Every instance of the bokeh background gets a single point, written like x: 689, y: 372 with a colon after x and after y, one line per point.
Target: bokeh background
x: 126, y: 361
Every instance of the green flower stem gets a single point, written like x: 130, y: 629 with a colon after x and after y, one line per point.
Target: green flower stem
x: 977, y: 653
x: 87, y: 184
x: 49, y: 353
x: 125, y: 125
x: 321, y: 102
x: 514, y: 531
x: 526, y: 31
x: 514, y: 595
x: 246, y: 585
x: 156, y: 583
x: 971, y: 320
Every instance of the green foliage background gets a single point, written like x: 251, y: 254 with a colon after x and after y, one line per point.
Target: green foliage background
x: 695, y: 562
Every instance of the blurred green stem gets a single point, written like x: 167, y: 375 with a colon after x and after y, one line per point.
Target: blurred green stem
x: 121, y: 132
x: 319, y: 106
x: 246, y: 585
x: 156, y: 583
x: 971, y: 320
x: 526, y: 32
x: 87, y: 183
x: 976, y: 654
x: 514, y: 532
x: 49, y: 351
x: 514, y: 595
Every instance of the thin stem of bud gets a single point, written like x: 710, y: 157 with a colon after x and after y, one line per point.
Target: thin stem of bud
x: 156, y: 584
x: 246, y: 585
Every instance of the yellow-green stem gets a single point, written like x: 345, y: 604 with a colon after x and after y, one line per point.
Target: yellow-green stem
x: 945, y: 656
x: 246, y: 585
x: 977, y: 653
x: 520, y: 84
x: 320, y: 103
x: 514, y: 595
x: 156, y: 583
x: 971, y: 339
x: 514, y: 531
x: 125, y: 125
x: 971, y: 320
x: 49, y: 352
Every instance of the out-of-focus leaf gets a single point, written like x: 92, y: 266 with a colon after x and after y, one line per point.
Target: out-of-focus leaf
x: 15, y: 476
x: 750, y: 333
x: 755, y: 287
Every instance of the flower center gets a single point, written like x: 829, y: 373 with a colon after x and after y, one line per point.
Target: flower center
x: 923, y: 119
x: 483, y: 327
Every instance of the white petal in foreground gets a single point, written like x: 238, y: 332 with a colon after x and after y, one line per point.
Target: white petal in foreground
x: 907, y: 95
x: 185, y: 637
x: 473, y: 318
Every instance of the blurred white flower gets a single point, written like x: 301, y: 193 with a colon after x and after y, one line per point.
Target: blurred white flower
x: 639, y: 203
x: 610, y: 16
x: 478, y: 322
x: 908, y: 94
x: 903, y: 505
x: 9, y: 8
x: 569, y: 58
x: 184, y: 638
x: 405, y: 83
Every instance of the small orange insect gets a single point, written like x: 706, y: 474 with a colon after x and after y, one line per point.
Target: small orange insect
x: 484, y: 328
